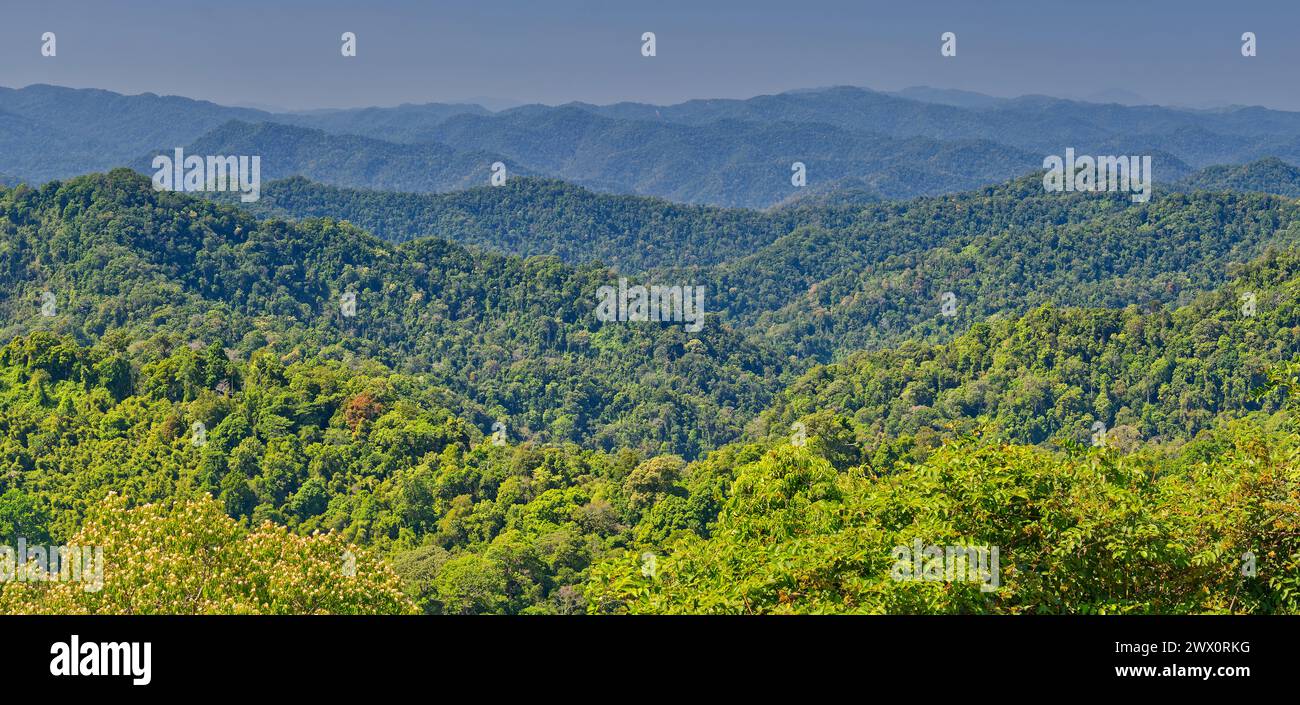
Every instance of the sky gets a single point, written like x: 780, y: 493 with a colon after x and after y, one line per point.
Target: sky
x: 286, y: 54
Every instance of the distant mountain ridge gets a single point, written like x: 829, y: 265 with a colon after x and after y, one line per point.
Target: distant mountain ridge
x: 348, y: 160
x: 728, y: 162
x: 535, y: 216
x: 728, y: 152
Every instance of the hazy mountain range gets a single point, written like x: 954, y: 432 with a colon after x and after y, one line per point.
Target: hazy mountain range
x: 870, y: 144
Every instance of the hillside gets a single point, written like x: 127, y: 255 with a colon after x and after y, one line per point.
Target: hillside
x: 774, y: 524
x: 518, y: 337
x: 831, y: 274
x: 347, y: 160
x: 1048, y: 376
x: 530, y: 216
x: 716, y: 152
x: 52, y: 132
x: 1270, y: 175
x: 402, y: 123
x: 857, y: 279
x: 728, y: 162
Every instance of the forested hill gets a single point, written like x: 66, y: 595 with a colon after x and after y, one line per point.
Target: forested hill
x: 728, y: 162
x: 116, y: 261
x: 347, y: 160
x: 50, y: 132
x: 518, y: 337
x: 823, y: 281
x: 876, y: 276
x: 532, y: 216
x: 777, y: 523
x: 1269, y: 175
x: 1050, y: 375
x: 129, y: 316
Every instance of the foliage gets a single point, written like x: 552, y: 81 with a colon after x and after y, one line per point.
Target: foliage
x: 1101, y: 532
x: 518, y: 338
x: 187, y: 557
x: 199, y: 402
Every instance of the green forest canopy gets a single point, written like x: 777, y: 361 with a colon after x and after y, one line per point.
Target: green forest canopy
x: 623, y: 441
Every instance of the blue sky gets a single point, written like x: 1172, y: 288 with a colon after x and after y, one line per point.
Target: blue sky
x: 286, y: 54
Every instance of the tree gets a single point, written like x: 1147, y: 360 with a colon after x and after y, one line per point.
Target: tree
x: 188, y: 557
x: 21, y: 516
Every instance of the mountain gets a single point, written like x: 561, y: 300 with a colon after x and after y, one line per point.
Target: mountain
x: 947, y: 96
x: 1040, y: 125
x: 168, y: 360
x: 55, y: 132
x: 347, y: 160
x: 832, y: 280
x: 1269, y: 175
x: 51, y: 132
x: 727, y: 162
x: 401, y: 123
x: 1160, y: 375
x: 518, y: 338
x: 498, y: 330
x: 834, y: 274
x: 716, y: 152
x: 849, y: 279
x: 530, y: 216
x: 1117, y: 95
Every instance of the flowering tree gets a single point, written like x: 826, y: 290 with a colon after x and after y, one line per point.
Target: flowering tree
x: 188, y: 557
